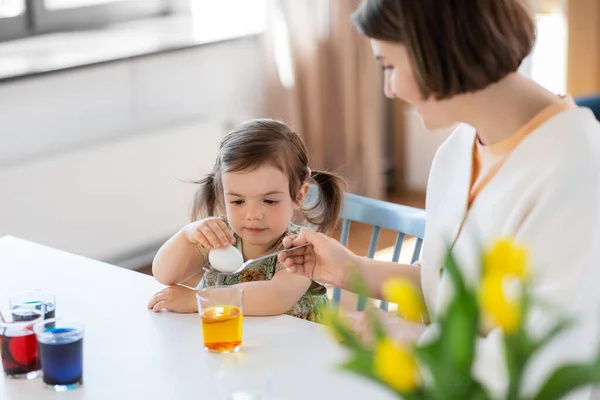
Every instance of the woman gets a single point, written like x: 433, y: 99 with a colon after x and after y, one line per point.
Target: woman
x: 524, y: 163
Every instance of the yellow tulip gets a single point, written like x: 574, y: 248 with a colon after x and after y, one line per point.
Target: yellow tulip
x: 403, y: 293
x: 396, y: 366
x: 506, y: 258
x: 503, y: 312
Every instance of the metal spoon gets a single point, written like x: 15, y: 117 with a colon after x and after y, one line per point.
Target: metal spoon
x: 209, y: 268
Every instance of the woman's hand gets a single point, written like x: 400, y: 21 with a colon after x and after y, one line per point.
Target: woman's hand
x: 325, y: 261
x: 212, y: 233
x: 177, y: 298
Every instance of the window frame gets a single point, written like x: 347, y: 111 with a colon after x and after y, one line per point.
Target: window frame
x: 93, y: 16
x: 37, y: 19
x: 15, y: 27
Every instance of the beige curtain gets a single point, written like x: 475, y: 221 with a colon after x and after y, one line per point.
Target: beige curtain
x: 542, y: 6
x: 324, y: 82
x: 583, y: 68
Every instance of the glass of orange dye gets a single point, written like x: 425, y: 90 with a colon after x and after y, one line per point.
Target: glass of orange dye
x: 220, y: 309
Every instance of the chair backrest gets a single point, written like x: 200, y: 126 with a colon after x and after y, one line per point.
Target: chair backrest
x: 379, y: 214
x: 592, y: 102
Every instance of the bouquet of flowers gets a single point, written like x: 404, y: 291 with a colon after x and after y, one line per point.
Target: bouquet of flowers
x: 441, y: 368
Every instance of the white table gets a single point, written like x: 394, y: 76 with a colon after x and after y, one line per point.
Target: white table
x: 132, y: 353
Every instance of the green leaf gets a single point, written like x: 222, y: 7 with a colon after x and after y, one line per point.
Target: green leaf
x: 450, y: 357
x: 515, y: 356
x: 453, y: 271
x: 361, y: 364
x: 479, y: 393
x: 460, y: 334
x: 430, y: 356
x: 376, y: 326
x: 460, y: 324
x: 534, y: 345
x: 568, y: 378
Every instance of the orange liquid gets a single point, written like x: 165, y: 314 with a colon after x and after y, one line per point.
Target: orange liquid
x: 222, y: 328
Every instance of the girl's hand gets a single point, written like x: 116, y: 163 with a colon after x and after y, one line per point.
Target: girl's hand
x: 212, y: 233
x: 327, y: 260
x: 177, y: 298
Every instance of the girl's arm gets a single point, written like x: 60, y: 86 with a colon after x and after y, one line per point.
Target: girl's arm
x: 179, y: 258
x: 273, y: 297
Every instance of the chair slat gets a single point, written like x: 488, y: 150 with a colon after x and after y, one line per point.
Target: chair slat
x: 374, y: 240
x: 345, y: 232
x: 384, y: 305
x: 362, y: 300
x: 398, y: 247
x: 337, y: 292
x: 417, y: 251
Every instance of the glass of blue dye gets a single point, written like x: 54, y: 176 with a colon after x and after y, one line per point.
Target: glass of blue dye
x: 60, y: 344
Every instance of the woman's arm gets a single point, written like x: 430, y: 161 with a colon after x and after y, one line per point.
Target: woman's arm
x: 273, y: 297
x: 375, y: 273
x: 330, y: 262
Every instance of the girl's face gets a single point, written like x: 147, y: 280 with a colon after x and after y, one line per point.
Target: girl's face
x: 258, y: 204
x: 400, y: 83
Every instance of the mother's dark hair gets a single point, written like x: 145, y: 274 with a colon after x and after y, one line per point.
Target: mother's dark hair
x: 455, y: 46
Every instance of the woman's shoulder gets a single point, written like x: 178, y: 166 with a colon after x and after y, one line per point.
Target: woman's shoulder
x: 457, y: 147
x: 567, y: 144
x: 452, y: 159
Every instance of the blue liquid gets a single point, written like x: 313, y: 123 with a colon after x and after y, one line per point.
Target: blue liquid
x: 61, y: 357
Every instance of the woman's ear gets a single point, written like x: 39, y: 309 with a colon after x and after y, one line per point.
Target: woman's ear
x: 301, y: 196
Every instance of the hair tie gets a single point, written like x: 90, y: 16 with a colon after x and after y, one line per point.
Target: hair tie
x: 308, y: 173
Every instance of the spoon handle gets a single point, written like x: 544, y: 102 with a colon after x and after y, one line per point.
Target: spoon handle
x: 208, y: 268
x: 253, y: 260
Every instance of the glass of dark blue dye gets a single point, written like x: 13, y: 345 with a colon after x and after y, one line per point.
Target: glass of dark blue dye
x: 60, y: 344
x: 26, y: 305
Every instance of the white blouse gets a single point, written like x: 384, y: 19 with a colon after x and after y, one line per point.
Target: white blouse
x: 546, y: 196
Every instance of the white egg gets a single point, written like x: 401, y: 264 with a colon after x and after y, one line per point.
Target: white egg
x: 227, y: 259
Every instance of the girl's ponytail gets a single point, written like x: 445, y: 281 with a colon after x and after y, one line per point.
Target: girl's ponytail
x: 325, y: 212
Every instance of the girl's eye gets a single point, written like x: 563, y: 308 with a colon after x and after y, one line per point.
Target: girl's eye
x: 271, y: 202
x: 237, y: 202
x: 387, y: 67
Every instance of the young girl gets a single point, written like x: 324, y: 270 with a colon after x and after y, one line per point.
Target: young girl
x: 260, y: 179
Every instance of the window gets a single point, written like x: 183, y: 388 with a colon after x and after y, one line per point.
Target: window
x: 13, y: 19
x: 12, y: 8
x: 19, y: 18
x: 61, y: 4
x: 60, y: 15
x: 549, y: 57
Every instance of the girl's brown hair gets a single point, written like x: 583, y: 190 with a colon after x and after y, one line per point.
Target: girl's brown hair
x: 455, y: 46
x: 268, y: 142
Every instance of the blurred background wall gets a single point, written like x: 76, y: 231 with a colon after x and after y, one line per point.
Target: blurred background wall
x: 108, y: 107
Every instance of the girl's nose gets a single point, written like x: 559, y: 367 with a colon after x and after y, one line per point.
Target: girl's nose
x: 254, y: 212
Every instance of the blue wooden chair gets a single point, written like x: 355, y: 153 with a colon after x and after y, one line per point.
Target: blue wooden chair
x: 379, y: 214
x: 592, y: 102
